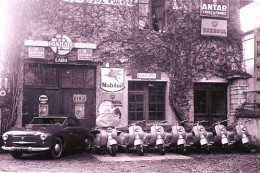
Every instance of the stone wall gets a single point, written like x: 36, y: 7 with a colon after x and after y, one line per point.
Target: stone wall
x: 237, y: 95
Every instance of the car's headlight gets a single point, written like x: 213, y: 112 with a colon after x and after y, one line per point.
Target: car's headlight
x: 5, y: 136
x: 43, y: 136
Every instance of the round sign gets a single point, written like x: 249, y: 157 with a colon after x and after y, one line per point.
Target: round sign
x: 61, y: 44
x: 2, y: 93
x: 43, y: 99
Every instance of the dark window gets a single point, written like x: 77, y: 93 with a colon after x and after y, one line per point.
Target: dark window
x: 40, y: 75
x: 146, y: 100
x: 151, y: 14
x: 210, y: 102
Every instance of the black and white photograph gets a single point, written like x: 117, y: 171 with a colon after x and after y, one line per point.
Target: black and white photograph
x: 130, y: 86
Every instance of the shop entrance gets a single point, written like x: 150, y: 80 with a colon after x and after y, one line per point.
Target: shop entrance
x: 67, y: 88
x: 210, y: 102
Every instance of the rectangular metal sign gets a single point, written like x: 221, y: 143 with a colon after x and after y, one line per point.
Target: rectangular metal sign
x: 147, y: 76
x: 213, y: 27
x: 214, y: 8
x: 85, y: 54
x: 36, y: 52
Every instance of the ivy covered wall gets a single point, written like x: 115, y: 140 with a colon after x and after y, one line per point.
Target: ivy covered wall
x: 180, y: 52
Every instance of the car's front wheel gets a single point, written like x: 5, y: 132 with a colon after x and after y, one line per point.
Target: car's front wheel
x: 16, y: 154
x: 86, y: 145
x: 56, y: 149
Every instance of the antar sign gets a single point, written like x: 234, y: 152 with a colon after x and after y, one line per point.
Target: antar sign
x: 215, y: 8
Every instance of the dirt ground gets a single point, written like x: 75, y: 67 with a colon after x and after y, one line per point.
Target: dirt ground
x: 149, y: 163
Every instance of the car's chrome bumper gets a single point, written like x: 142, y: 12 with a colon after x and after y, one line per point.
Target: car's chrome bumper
x: 30, y: 149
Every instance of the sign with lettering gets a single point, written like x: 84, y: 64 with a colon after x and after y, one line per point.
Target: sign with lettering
x: 36, y: 52
x: 61, y: 60
x: 79, y: 98
x: 60, y: 44
x: 112, y: 79
x: 105, y: 2
x: 214, y: 8
x: 85, y: 54
x: 146, y: 76
x: 214, y: 27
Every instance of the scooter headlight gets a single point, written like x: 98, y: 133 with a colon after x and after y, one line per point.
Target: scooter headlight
x: 222, y: 129
x: 201, y: 130
x: 109, y: 129
x: 159, y: 130
x: 5, y: 136
x: 244, y: 128
x: 136, y: 130
x: 180, y: 130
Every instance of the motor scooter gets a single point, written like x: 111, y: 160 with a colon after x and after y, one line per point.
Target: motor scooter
x: 199, y: 137
x: 240, y: 136
x: 154, y: 137
x: 219, y: 135
x: 177, y: 137
x: 132, y: 138
x: 105, y: 139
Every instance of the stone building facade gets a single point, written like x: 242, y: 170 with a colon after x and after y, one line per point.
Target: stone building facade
x: 81, y: 56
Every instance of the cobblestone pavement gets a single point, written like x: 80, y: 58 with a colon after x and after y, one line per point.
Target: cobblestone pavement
x: 150, y: 163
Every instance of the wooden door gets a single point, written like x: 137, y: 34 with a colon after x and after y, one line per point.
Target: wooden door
x: 59, y: 84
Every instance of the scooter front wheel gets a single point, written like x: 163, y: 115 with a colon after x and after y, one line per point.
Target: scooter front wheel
x: 112, y: 150
x: 140, y: 150
x: 182, y: 149
x: 161, y: 148
x: 206, y: 148
x: 246, y: 147
x: 227, y: 148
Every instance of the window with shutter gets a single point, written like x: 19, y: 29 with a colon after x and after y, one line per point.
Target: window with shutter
x: 151, y: 15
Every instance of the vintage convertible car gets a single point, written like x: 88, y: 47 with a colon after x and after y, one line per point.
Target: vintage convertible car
x: 50, y: 134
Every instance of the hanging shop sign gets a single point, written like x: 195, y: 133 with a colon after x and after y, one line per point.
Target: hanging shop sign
x: 85, y: 54
x: 147, y: 76
x: 60, y: 44
x: 112, y: 79
x: 214, y: 27
x: 214, y: 8
x: 36, y: 52
x: 105, y: 2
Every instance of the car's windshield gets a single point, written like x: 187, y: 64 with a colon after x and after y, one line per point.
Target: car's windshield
x: 48, y: 121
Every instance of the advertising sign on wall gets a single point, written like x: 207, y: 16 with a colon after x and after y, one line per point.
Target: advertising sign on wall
x: 112, y: 79
x: 105, y: 2
x: 146, y: 76
x: 36, y: 52
x: 214, y: 8
x: 43, y: 110
x: 214, y: 27
x: 85, y: 54
x: 60, y: 44
x: 80, y: 111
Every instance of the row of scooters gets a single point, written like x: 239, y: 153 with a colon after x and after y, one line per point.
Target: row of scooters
x: 162, y: 137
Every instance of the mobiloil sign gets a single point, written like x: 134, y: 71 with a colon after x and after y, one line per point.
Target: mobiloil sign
x: 112, y: 79
x: 215, y: 8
